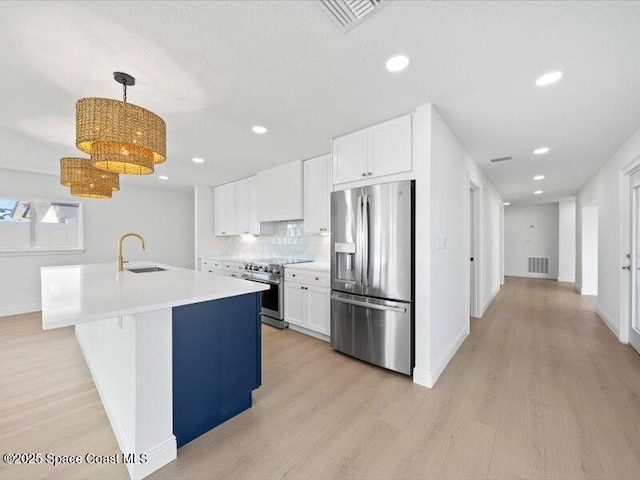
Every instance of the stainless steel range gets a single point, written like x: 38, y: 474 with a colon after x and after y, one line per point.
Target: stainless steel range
x: 270, y: 271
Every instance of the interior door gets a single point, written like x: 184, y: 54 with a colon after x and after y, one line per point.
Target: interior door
x: 634, y: 264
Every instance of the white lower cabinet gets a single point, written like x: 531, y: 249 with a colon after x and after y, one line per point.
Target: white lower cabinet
x: 307, y: 301
x: 294, y: 300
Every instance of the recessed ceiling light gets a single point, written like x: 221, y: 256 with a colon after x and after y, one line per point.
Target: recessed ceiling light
x: 541, y: 150
x: 259, y: 129
x: 548, y: 78
x: 397, y: 63
x: 163, y: 177
x: 506, y: 204
x: 537, y: 192
x: 197, y: 160
x: 539, y: 177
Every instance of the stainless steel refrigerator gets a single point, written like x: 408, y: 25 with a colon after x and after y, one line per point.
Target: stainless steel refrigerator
x: 372, y: 274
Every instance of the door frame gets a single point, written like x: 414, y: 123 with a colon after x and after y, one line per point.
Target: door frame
x: 472, y: 183
x: 626, y: 222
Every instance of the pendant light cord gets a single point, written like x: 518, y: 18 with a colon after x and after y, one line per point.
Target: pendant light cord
x: 124, y: 88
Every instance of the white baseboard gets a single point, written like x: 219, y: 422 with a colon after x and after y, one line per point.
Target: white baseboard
x: 567, y: 279
x: 19, y: 309
x: 608, y: 321
x: 578, y: 287
x: 157, y: 456
x: 422, y: 377
x: 311, y: 333
x: 429, y: 379
x: 490, y: 300
x: 545, y: 276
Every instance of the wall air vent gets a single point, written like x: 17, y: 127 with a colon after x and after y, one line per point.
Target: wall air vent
x: 501, y: 160
x: 538, y: 265
x: 348, y: 13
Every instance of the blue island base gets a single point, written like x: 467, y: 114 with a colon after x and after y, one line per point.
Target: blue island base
x: 216, y: 362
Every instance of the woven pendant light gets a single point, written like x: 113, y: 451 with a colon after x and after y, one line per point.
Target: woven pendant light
x: 119, y: 136
x: 91, y: 191
x: 85, y: 180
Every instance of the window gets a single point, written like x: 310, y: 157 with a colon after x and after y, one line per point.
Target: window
x: 39, y: 226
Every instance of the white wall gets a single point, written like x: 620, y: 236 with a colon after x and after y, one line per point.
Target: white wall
x: 589, y: 251
x: 531, y: 231
x: 605, y: 190
x: 567, y: 240
x: 450, y: 172
x: 163, y: 217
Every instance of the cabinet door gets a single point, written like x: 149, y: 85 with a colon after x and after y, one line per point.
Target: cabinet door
x: 230, y: 209
x: 350, y: 157
x: 242, y: 207
x: 390, y: 147
x: 317, y: 189
x: 319, y: 308
x: 219, y: 210
x: 295, y: 303
x: 254, y: 225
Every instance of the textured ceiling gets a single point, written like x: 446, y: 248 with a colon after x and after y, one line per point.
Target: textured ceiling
x: 214, y: 69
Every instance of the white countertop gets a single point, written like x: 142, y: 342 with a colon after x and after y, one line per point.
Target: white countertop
x: 315, y: 266
x: 77, y: 294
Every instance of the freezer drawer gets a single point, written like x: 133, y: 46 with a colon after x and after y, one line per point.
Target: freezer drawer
x: 373, y: 330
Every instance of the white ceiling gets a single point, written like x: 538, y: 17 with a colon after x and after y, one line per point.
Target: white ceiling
x: 212, y: 70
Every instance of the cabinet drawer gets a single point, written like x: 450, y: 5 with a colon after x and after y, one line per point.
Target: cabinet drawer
x: 308, y: 277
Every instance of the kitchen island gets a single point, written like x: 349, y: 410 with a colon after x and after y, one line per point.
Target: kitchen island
x: 173, y: 352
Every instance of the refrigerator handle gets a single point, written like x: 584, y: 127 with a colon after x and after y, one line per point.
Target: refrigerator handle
x: 365, y: 240
x: 373, y: 306
x: 358, y: 272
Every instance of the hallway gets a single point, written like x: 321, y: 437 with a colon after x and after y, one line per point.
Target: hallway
x: 540, y: 389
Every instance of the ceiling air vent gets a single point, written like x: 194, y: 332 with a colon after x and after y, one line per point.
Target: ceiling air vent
x: 501, y: 160
x: 348, y: 13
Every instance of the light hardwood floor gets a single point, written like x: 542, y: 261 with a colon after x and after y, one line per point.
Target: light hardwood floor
x: 540, y: 389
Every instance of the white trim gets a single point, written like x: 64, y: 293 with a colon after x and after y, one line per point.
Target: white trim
x: 34, y: 251
x: 422, y: 377
x: 608, y: 321
x: 20, y: 309
x: 566, y: 280
x: 578, y: 287
x: 307, y: 331
x: 157, y: 455
x: 428, y: 379
x: 490, y: 300
x: 545, y: 276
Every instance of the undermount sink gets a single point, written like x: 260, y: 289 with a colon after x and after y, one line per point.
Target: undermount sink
x: 146, y: 269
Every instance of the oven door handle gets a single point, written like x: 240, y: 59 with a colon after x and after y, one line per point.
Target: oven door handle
x: 251, y: 279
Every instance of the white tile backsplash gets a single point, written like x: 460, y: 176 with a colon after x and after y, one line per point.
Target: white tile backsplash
x: 288, y: 240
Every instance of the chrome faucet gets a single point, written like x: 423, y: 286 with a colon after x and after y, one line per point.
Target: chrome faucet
x: 120, y: 259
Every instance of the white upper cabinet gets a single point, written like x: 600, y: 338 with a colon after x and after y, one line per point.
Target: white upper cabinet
x: 390, y: 147
x: 254, y: 225
x: 280, y: 193
x: 224, y: 207
x: 219, y: 215
x: 243, y: 209
x: 317, y: 194
x: 383, y: 149
x: 350, y: 157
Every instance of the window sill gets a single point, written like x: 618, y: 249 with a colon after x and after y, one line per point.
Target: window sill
x: 25, y: 252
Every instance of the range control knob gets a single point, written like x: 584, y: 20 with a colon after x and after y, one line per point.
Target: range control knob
x: 275, y: 270
x: 256, y: 268
x: 268, y: 269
